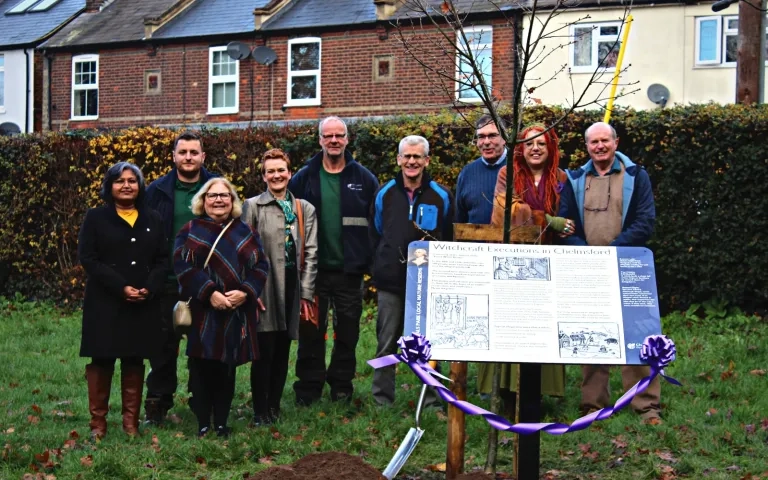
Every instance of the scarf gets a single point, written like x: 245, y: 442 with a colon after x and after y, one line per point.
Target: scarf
x: 290, y: 216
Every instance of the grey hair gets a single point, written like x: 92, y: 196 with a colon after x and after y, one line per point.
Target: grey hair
x: 198, y: 201
x: 327, y: 119
x: 113, y: 173
x: 414, y: 140
x: 613, y: 130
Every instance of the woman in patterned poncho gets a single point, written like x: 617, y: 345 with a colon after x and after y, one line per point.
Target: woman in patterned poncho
x: 223, y: 298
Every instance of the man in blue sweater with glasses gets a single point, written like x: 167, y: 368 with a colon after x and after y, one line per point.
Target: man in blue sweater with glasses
x: 477, y: 180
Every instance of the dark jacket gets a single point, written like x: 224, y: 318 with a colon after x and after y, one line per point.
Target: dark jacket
x: 159, y: 197
x: 358, y: 186
x: 638, y: 213
x: 396, y: 222
x: 115, y: 255
x: 238, y: 263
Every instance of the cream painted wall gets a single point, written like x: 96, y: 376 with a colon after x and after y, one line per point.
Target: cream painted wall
x: 15, y: 86
x: 660, y: 49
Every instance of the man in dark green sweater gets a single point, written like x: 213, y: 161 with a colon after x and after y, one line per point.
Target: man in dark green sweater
x: 171, y: 196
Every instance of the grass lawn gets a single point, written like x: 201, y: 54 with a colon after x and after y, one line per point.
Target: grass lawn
x: 715, y: 427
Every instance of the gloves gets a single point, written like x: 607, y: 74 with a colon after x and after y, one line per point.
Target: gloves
x: 555, y: 223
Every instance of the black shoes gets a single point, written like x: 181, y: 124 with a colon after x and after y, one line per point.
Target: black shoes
x: 223, y: 431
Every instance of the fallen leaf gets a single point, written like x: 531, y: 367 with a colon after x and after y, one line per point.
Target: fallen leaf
x: 750, y: 429
x: 316, y: 443
x: 37, y: 409
x: 297, y: 438
x: 321, y: 414
x: 74, y: 435
x: 439, y: 467
x: 727, y: 437
x: 266, y: 460
x: 178, y: 435
x: 71, y: 444
x: 10, y: 430
x: 711, y: 411
x: 33, y: 419
x: 445, y: 8
x: 759, y: 373
x: 155, y: 440
x: 86, y: 461
x: 619, y: 443
x: 200, y: 460
x: 35, y: 391
x: 276, y: 435
x: 149, y: 465
x: 733, y: 468
x: 666, y: 456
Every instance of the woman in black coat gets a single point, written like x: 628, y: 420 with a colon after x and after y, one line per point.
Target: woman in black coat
x: 124, y: 252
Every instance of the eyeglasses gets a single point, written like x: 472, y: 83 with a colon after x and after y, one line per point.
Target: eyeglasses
x: 414, y: 156
x: 331, y: 136
x: 607, y: 202
x: 490, y: 136
x: 216, y: 196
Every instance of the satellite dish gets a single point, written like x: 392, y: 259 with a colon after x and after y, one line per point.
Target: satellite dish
x: 658, y: 94
x: 238, y: 50
x: 9, y: 129
x: 264, y: 55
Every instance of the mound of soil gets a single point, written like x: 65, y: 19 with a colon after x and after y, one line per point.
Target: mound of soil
x: 322, y: 466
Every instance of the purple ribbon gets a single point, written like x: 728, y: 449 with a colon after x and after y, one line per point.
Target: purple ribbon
x: 657, y: 351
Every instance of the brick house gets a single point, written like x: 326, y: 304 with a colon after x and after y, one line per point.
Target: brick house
x: 164, y: 62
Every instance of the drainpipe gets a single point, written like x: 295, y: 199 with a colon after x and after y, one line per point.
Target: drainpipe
x: 26, y: 105
x: 48, y: 95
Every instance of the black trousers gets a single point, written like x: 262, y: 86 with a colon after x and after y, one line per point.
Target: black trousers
x: 270, y: 371
x: 162, y: 380
x: 212, y: 385
x: 344, y: 293
x: 104, y: 362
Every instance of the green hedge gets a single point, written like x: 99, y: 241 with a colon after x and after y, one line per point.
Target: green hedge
x: 706, y: 162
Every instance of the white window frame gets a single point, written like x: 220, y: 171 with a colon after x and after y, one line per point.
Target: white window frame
x: 219, y: 79
x: 2, y: 93
x: 476, y: 48
x: 596, y: 39
x: 304, y: 73
x: 722, y: 33
x: 697, y: 41
x: 75, y: 88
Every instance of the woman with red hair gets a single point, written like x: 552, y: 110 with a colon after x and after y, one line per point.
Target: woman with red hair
x: 536, y: 199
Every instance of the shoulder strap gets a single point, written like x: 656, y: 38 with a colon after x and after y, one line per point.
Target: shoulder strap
x: 300, y: 221
x: 213, y: 247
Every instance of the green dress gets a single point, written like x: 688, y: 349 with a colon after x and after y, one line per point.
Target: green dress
x: 552, y: 378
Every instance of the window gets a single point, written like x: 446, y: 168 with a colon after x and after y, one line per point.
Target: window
x: 27, y: 6
x: 477, y: 41
x: 717, y: 40
x: 304, y: 71
x: 2, y: 82
x: 223, y: 85
x: 595, y: 45
x: 85, y: 87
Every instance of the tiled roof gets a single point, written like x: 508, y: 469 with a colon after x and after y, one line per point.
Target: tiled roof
x: 119, y: 21
x: 212, y: 17
x: 316, y: 13
x: 28, y: 28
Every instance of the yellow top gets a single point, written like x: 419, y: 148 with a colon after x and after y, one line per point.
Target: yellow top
x: 129, y: 216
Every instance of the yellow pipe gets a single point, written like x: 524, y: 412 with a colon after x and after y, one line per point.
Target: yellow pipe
x: 619, y: 61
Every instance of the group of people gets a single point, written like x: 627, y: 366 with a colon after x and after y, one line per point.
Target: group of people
x: 259, y: 274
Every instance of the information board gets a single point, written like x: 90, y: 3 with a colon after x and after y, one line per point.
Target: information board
x: 531, y: 303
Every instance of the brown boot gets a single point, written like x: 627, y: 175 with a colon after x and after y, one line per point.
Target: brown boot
x: 132, y: 385
x: 99, y: 384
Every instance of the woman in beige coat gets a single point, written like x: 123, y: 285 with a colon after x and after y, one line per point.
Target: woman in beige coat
x: 291, y: 248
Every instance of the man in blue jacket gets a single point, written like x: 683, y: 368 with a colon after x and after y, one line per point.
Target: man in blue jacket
x: 409, y: 207
x: 171, y: 196
x: 341, y: 190
x: 611, y: 200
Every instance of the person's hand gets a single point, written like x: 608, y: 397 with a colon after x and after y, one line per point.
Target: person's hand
x: 132, y: 294
x: 261, y: 305
x: 220, y: 302
x: 307, y: 311
x: 143, y: 294
x: 569, y: 229
x: 236, y: 297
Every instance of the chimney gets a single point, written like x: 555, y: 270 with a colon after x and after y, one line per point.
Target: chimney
x: 92, y: 6
x: 261, y: 15
x: 385, y: 8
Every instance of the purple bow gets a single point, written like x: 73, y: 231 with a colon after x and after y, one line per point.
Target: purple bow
x: 657, y: 351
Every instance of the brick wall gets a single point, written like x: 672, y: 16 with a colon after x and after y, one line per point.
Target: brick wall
x: 348, y: 87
